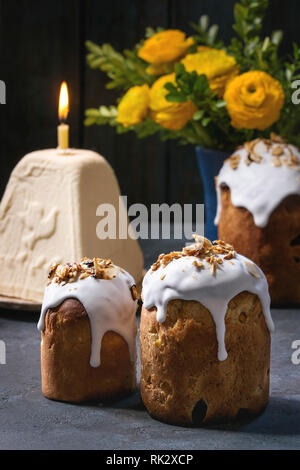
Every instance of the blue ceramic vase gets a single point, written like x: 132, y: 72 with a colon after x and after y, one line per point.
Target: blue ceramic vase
x: 209, y: 164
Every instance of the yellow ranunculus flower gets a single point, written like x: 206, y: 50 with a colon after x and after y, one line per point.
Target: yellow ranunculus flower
x: 254, y: 100
x: 134, y: 106
x: 165, y: 46
x: 169, y: 115
x: 215, y: 64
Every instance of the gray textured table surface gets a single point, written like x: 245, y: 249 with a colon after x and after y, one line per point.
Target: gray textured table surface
x: 29, y: 421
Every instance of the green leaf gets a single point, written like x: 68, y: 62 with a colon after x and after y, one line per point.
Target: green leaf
x: 178, y: 98
x: 123, y: 70
x: 220, y: 104
x: 201, y: 84
x: 204, y: 35
x: 289, y: 74
x: 205, y: 121
x: 198, y: 115
x: 92, y: 113
x: 276, y: 37
x: 89, y: 121
x: 151, y: 31
x: 212, y: 33
x: 254, y: 5
x: 240, y: 12
x: 265, y: 44
x: 204, y: 22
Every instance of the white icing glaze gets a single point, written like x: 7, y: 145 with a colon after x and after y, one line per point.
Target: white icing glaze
x: 108, y: 303
x: 183, y: 280
x: 259, y: 187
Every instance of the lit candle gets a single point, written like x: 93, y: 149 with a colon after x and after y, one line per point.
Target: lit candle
x: 63, y: 111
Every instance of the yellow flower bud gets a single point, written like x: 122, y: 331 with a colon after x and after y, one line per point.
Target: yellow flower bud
x: 254, y: 100
x: 173, y: 116
x: 215, y: 64
x: 134, y: 105
x: 165, y: 46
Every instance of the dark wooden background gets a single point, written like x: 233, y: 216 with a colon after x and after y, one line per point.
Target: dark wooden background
x: 42, y: 43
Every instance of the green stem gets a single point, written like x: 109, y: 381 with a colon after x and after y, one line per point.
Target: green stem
x: 207, y: 141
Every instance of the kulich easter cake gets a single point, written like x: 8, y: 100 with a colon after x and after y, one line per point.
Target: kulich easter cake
x: 48, y: 215
x: 205, y: 335
x: 88, y: 329
x: 258, y: 211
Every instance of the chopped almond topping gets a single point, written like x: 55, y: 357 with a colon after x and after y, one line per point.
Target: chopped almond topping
x: 202, y: 249
x: 230, y: 255
x: 247, y: 160
x: 98, y: 268
x: 252, y: 269
x: 234, y: 161
x: 291, y: 162
x: 276, y: 161
x: 84, y: 275
x: 250, y: 145
x: 261, y: 147
x: 255, y: 147
x: 134, y: 293
x: 255, y: 158
x: 294, y: 159
x: 276, y: 138
x: 277, y: 151
x: 198, y: 264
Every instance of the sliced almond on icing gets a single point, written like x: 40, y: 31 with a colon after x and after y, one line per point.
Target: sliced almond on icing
x: 276, y: 138
x: 234, y: 161
x: 111, y: 272
x: 255, y: 157
x: 134, y: 293
x: 252, y: 269
x: 198, y: 264
x: 84, y: 275
x: 277, y: 151
x: 275, y: 161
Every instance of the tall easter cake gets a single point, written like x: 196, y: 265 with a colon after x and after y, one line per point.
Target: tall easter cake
x: 48, y: 216
x: 205, y: 342
x: 258, y: 191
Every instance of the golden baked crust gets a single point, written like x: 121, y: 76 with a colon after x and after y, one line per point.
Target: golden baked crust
x: 65, y: 358
x: 275, y: 248
x: 183, y: 382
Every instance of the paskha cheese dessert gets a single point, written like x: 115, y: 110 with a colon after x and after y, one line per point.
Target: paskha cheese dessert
x: 205, y: 335
x: 88, y: 329
x: 48, y: 215
x: 258, y: 211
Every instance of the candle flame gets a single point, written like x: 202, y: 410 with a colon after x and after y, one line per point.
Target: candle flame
x: 63, y: 108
